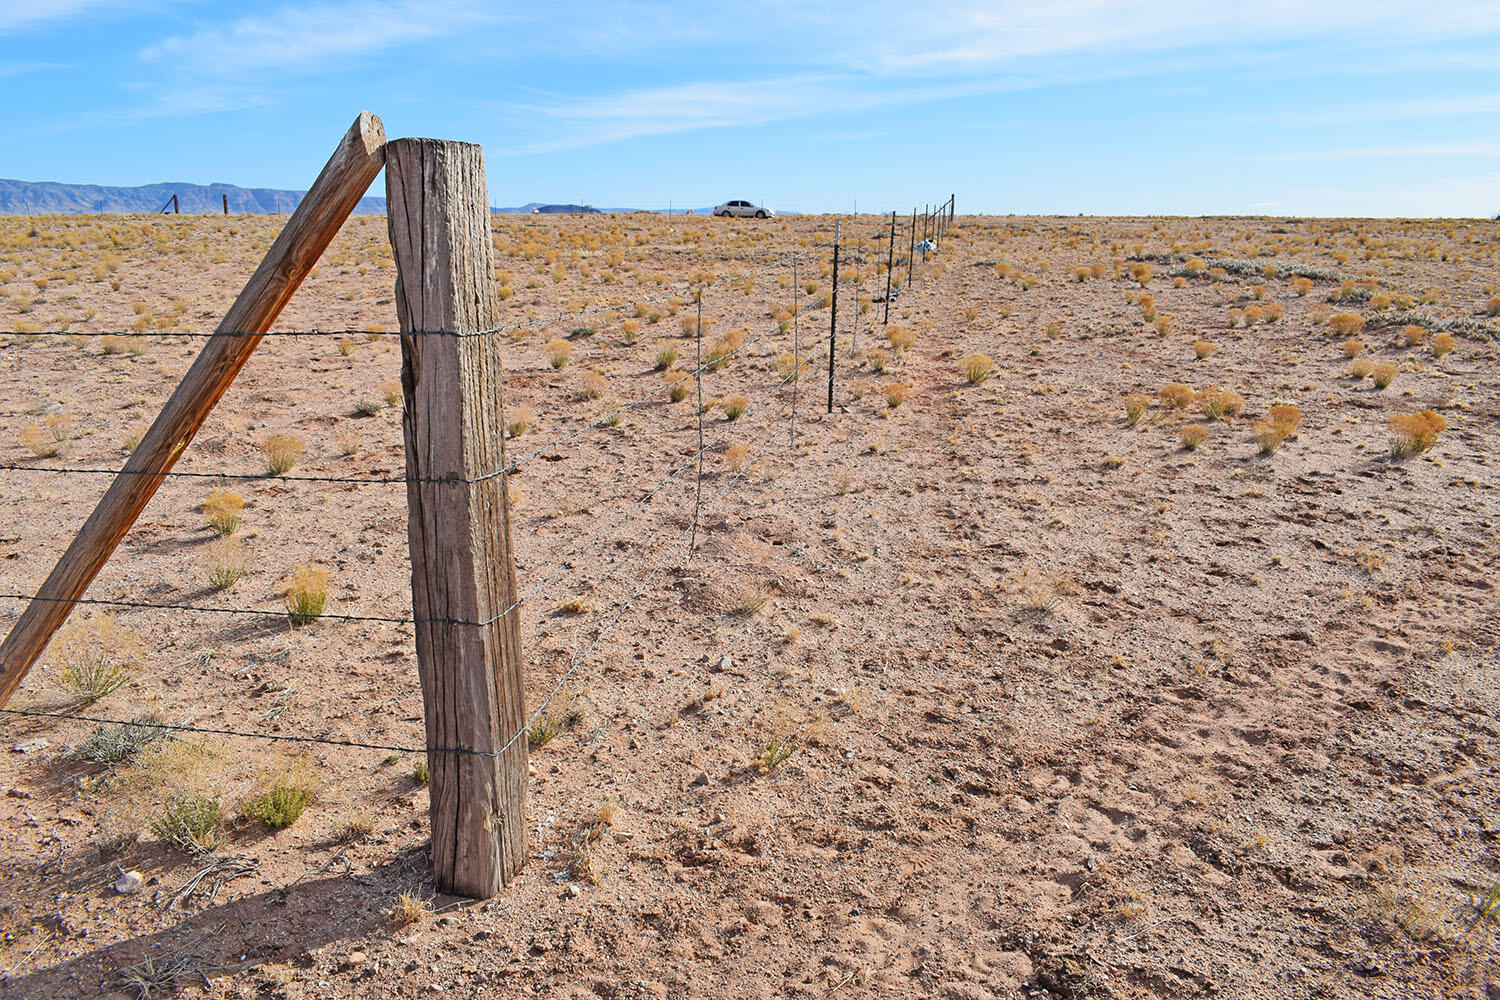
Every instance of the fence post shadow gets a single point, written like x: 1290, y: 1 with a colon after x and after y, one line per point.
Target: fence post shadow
x: 282, y: 925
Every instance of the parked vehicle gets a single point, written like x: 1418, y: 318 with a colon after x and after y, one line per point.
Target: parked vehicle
x: 743, y: 210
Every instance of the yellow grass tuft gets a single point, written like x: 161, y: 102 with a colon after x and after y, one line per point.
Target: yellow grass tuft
x: 307, y: 594
x: 1193, y: 435
x: 282, y: 452
x: 977, y: 368
x: 222, y: 509
x: 1176, y: 395
x: 1414, y: 433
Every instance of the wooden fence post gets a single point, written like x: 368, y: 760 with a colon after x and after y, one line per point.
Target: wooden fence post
x: 344, y: 180
x: 458, y: 525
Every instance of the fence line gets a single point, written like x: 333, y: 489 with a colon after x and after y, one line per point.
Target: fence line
x: 488, y: 331
x: 697, y: 457
x: 576, y: 661
x: 511, y: 466
x: 637, y: 584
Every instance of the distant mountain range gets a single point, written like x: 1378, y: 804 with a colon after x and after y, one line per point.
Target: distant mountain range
x: 52, y: 198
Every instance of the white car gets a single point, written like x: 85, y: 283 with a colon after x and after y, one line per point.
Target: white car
x: 743, y: 210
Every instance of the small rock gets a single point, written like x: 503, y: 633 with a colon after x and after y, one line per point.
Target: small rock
x: 575, y: 890
x: 17, y: 793
x: 699, y: 781
x: 355, y: 958
x: 725, y: 662
x: 447, y: 920
x: 128, y: 882
x: 29, y: 746
x: 1366, y: 965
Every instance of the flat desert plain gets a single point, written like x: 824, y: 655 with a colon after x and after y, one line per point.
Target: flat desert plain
x: 1128, y: 630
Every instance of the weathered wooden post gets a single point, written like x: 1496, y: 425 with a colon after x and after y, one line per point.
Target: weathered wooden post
x: 346, y: 176
x: 458, y: 520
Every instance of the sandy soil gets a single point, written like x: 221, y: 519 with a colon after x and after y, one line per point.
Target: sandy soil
x: 1071, y: 710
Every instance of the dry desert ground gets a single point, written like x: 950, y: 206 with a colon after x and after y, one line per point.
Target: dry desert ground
x: 1128, y: 631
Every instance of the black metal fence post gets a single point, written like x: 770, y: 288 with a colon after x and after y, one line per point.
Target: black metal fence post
x: 890, y: 262
x: 833, y: 315
x: 911, y: 251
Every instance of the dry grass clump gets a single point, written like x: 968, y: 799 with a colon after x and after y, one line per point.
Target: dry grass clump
x: 1361, y: 368
x: 519, y: 421
x: 666, y: 358
x: 1280, y: 426
x: 97, y: 656
x: 1415, y: 433
x: 222, y: 510
x: 787, y: 366
x: 724, y: 348
x: 735, y: 455
x: 902, y: 339
x: 559, y: 351
x: 1135, y: 408
x: 594, y: 385
x: 677, y: 386
x: 1492, y: 307
x: 189, y: 821
x: 896, y: 394
x: 226, y: 563
x: 391, y: 392
x: 307, y: 594
x: 977, y: 368
x: 1202, y: 349
x: 1193, y: 435
x: 46, y: 439
x: 282, y: 452
x: 1176, y: 395
x: 1346, y: 324
x: 1442, y: 344
x: 735, y: 407
x: 1385, y: 374
x: 1140, y: 272
x: 1287, y: 418
x: 690, y: 326
x: 879, y: 360
x: 1413, y: 335
x: 1352, y: 348
x: 1267, y: 436
x: 1217, y: 403
x: 409, y: 908
x: 1301, y: 286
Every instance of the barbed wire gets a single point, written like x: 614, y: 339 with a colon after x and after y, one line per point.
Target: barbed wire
x: 712, y: 364
x: 576, y: 661
x: 689, y: 532
x: 486, y: 332
x: 335, y: 616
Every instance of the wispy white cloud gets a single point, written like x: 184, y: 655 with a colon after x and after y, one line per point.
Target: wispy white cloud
x: 309, y: 37
x: 19, y: 15
x: 22, y: 68
x: 894, y: 53
x: 1394, y: 152
x: 572, y: 123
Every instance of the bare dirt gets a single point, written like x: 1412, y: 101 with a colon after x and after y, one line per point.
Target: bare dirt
x: 1067, y: 709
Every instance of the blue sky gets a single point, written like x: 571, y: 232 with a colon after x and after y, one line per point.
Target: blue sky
x: 1094, y: 106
